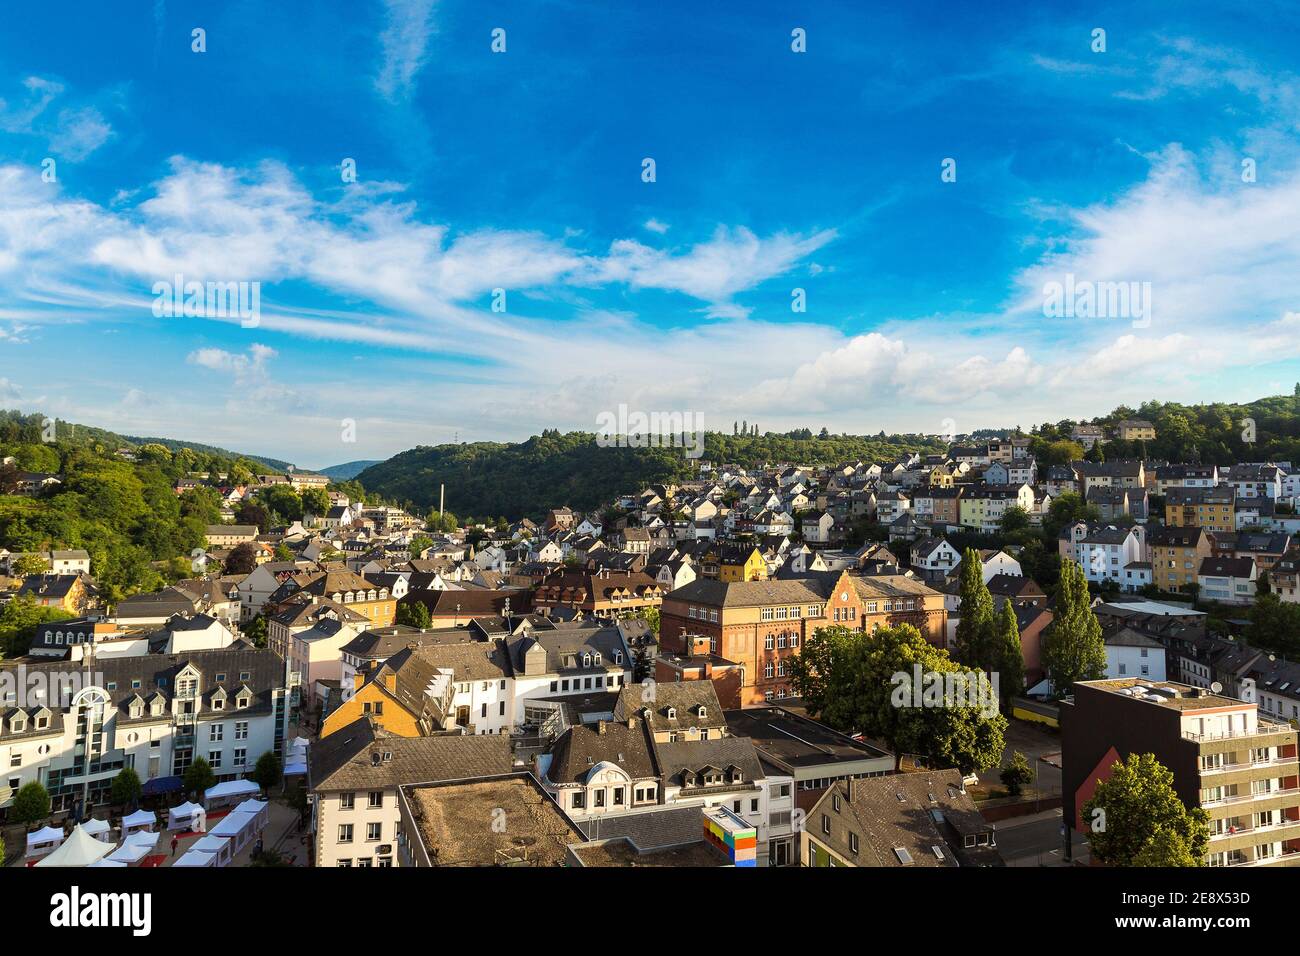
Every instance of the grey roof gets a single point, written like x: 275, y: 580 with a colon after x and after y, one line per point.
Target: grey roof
x: 361, y: 756
x: 684, y: 699
x: 583, y: 747
x: 693, y: 756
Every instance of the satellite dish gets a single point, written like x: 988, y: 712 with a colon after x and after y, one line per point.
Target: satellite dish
x: 1216, y: 687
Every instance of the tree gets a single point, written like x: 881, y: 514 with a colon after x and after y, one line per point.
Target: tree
x: 315, y: 501
x: 1016, y: 774
x: 420, y: 543
x: 283, y: 552
x: 199, y: 777
x: 413, y: 614
x: 267, y: 770
x: 126, y: 787
x: 255, y: 631
x: 29, y: 564
x: 1008, y: 655
x: 19, y: 620
x: 1015, y: 520
x: 1165, y: 848
x: 864, y: 684
x: 1136, y: 816
x: 243, y: 559
x: 975, y: 626
x: 31, y: 804
x: 1073, y: 649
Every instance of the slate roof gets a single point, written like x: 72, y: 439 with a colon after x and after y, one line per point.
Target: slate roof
x: 346, y: 759
x: 583, y: 747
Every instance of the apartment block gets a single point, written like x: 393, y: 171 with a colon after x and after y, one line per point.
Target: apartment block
x: 1226, y: 756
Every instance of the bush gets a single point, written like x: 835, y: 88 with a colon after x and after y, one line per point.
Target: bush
x: 1016, y: 774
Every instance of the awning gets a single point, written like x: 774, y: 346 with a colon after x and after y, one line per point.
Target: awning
x: 107, y: 861
x: 160, y: 785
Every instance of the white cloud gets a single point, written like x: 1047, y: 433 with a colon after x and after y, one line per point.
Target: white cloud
x: 404, y: 44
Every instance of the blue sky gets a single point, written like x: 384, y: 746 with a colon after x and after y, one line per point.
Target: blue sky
x: 521, y: 171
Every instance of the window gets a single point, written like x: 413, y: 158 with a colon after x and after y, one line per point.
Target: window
x: 853, y: 843
x: 241, y: 730
x: 600, y: 798
x: 376, y: 798
x: 374, y: 832
x: 826, y: 824
x: 345, y: 833
x: 216, y: 732
x: 347, y: 801
x: 214, y: 759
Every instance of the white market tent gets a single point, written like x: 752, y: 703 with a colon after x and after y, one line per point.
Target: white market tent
x: 295, y: 760
x: 180, y: 818
x: 44, y: 841
x: 140, y: 820
x: 258, y: 809
x: 79, y: 849
x: 135, y: 847
x: 197, y: 858
x: 98, y: 829
x: 218, y: 846
x: 238, y: 827
x: 106, y: 861
x: 229, y: 792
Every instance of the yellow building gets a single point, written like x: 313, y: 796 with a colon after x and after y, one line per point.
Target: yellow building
x: 1176, y: 555
x: 739, y: 565
x: 376, y: 698
x: 1211, y: 508
x: 1135, y: 429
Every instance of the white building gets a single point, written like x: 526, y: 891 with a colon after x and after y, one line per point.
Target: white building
x: 153, y: 713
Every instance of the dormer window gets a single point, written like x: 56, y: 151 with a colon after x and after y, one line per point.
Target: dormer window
x: 42, y: 722
x: 618, y: 657
x: 672, y: 713
x: 242, y: 700
x: 702, y: 711
x: 18, y: 723
x: 597, y: 658
x: 586, y: 660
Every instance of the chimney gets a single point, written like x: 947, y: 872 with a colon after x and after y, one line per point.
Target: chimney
x: 848, y: 788
x: 631, y: 723
x: 600, y: 728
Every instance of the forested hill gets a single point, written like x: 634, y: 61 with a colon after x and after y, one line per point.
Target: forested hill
x: 491, y: 479
x: 14, y: 425
x: 1221, y: 433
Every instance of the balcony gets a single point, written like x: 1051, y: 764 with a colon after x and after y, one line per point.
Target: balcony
x: 1267, y: 726
x: 1250, y: 797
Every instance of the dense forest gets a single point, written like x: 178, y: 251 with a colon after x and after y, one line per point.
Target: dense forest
x: 553, y: 469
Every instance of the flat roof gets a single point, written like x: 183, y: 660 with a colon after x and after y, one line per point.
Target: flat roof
x: 502, y: 821
x: 795, y: 741
x: 1183, y: 696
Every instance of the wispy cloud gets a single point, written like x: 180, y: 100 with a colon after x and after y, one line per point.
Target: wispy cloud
x: 404, y: 45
